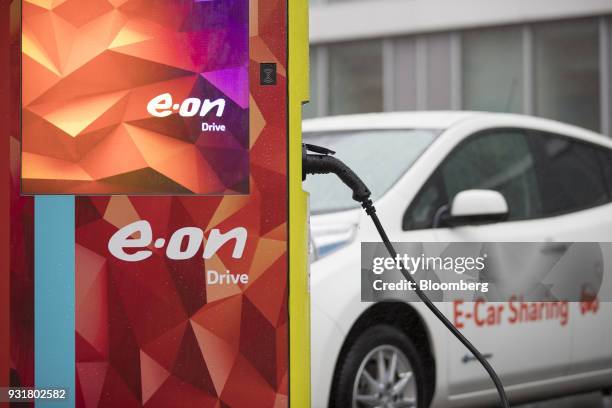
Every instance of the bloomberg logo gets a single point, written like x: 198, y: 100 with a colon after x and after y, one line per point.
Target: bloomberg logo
x: 163, y: 106
x: 138, y: 236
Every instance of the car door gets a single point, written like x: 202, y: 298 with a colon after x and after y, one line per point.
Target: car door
x: 501, y: 160
x: 576, y: 188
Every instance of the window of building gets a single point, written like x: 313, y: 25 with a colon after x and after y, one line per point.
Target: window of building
x: 567, y: 83
x: 355, y: 77
x: 492, y: 70
x: 437, y: 55
x: 311, y: 108
x: 571, y: 177
x: 549, y: 69
x: 405, y: 77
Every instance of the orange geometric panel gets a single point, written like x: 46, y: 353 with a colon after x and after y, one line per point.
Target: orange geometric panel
x: 135, y: 97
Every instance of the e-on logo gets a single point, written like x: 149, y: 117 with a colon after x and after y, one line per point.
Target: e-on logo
x: 139, y: 236
x: 163, y: 106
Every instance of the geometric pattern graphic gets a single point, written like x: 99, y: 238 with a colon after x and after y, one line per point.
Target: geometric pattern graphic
x: 154, y: 333
x: 90, y: 70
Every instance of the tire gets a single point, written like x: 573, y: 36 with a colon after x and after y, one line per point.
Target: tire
x: 379, y: 343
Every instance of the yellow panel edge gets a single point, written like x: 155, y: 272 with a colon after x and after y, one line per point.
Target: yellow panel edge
x: 299, y: 298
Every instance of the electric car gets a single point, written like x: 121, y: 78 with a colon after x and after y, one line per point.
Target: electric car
x: 521, y: 179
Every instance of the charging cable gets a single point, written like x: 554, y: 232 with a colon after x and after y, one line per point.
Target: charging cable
x: 323, y: 162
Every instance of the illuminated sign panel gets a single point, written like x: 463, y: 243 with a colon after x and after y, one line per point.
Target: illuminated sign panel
x: 136, y: 97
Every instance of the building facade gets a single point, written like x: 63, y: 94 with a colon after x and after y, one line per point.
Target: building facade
x: 548, y: 58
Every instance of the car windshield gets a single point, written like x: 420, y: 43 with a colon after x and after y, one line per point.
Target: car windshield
x: 379, y: 157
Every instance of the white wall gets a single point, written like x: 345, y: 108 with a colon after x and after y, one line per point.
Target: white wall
x: 381, y: 18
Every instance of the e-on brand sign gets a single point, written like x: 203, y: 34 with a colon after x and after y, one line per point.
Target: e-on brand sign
x: 125, y: 238
x: 163, y: 106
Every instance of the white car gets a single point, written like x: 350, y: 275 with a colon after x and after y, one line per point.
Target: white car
x: 557, y: 182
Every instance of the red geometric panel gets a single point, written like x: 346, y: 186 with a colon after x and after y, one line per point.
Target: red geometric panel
x: 21, y: 224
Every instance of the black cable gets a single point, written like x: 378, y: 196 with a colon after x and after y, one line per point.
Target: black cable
x: 324, y: 163
x: 368, y: 206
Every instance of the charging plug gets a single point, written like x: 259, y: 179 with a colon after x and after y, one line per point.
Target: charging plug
x: 323, y: 162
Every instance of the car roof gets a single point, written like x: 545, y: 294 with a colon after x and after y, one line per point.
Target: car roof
x: 443, y: 120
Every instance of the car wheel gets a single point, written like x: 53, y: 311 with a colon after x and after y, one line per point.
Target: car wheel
x: 381, y: 369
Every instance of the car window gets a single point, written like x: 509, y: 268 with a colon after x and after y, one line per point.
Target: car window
x: 499, y: 160
x: 606, y: 162
x: 420, y: 214
x: 379, y: 157
x: 570, y: 173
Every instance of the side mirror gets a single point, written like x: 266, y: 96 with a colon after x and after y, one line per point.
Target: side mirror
x: 478, y: 207
x: 473, y: 207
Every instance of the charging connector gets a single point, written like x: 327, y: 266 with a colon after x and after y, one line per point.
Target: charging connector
x: 323, y: 162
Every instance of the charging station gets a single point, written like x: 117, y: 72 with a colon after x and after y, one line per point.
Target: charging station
x: 157, y: 248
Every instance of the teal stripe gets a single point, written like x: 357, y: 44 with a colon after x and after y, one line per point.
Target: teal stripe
x: 54, y: 302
